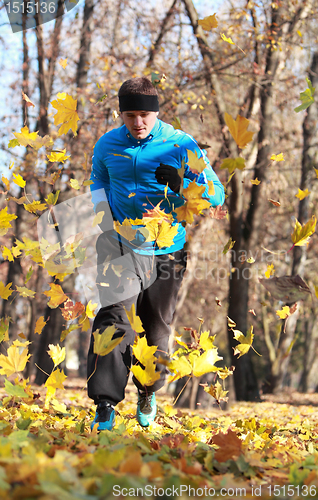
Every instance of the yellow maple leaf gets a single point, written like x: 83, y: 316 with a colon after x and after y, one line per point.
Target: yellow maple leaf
x: 56, y: 353
x: 208, y: 22
x: 66, y: 115
x: 59, y: 156
x: 284, y: 312
x: 18, y: 180
x: 7, y: 254
x: 63, y: 62
x: 179, y: 368
x: 279, y: 157
x: 56, y: 294
x: 74, y: 183
x: 6, y: 182
x: 32, y: 139
x: 134, y: 320
x: 15, y: 361
x: 302, y: 194
x: 255, y: 181
x: 104, y: 342
x: 125, y: 229
x: 245, y: 342
x: 192, y: 207
x: 176, y: 123
x: 25, y: 292
x: 217, y: 392
x: 5, y: 220
x: 301, y: 234
x: 228, y: 246
x: 226, y: 39
x: 143, y: 352
x: 196, y: 164
x: 98, y: 218
x: 270, y: 271
x: 35, y: 206
x: 206, y: 341
x: 5, y: 291
x: 238, y: 129
x: 205, y: 363
x: 39, y: 325
x: 90, y: 310
x: 146, y: 376
x: 233, y: 163
x: 161, y: 233
x: 211, y: 190
x: 52, y: 198
x: 55, y: 381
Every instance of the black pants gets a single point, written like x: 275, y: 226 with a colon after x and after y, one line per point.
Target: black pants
x: 125, y: 278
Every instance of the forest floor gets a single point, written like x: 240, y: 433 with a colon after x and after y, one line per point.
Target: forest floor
x: 266, y: 449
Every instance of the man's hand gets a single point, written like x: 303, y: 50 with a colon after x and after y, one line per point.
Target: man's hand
x: 165, y: 174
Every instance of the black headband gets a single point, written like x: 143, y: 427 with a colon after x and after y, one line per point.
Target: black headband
x: 138, y: 102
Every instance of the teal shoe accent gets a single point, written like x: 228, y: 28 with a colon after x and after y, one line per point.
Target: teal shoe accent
x: 104, y: 417
x: 146, y: 408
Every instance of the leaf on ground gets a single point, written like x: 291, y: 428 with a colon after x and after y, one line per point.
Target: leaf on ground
x: 230, y: 446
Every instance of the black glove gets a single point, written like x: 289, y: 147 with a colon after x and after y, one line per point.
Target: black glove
x: 165, y: 174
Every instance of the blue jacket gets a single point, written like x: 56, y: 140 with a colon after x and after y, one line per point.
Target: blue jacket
x: 124, y: 169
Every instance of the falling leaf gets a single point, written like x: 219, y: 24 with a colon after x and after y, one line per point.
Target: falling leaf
x: 32, y: 139
x: 228, y: 40
x: 63, y: 63
x: 143, y: 352
x: 5, y: 291
x: 90, y: 310
x: 7, y: 254
x: 35, y: 206
x: 270, y: 271
x: 301, y: 234
x: 134, y: 320
x: 288, y: 289
x: 217, y: 392
x: 71, y: 311
x: 276, y: 203
x: 15, y: 361
x: 104, y: 342
x: 66, y: 115
x: 125, y: 229
x: 306, y: 97
x: 176, y: 123
x: 5, y: 182
x: 56, y: 294
x: 229, y: 245
x: 205, y: 363
x: 238, y: 129
x: 208, y: 23
x: 196, y: 164
x: 255, y: 181
x: 59, y: 156
x: 279, y: 157
x: 283, y: 313
x: 245, y: 342
x: 233, y: 163
x: 302, y: 194
x: 52, y: 198
x: 131, y: 195
x: 56, y: 353
x: 25, y: 292
x: 75, y: 184
x: 27, y: 100
x: 148, y: 375
x: 250, y: 260
x: 18, y: 180
x: 39, y: 325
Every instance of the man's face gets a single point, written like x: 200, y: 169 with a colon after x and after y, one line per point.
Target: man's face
x: 139, y: 123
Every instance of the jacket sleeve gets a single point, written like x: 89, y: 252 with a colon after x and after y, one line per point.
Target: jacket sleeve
x: 204, y: 177
x: 101, y: 184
